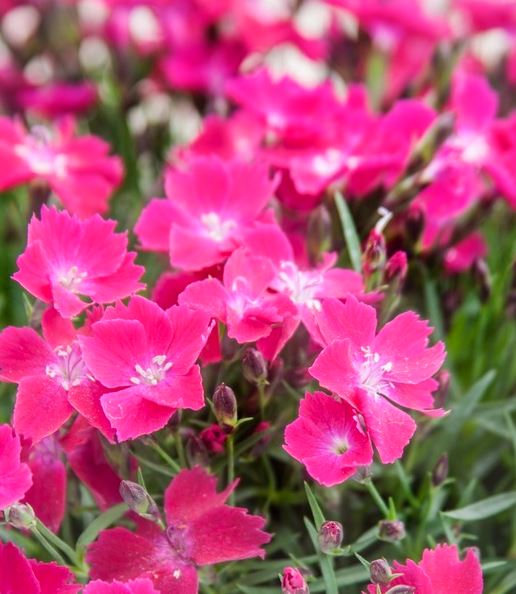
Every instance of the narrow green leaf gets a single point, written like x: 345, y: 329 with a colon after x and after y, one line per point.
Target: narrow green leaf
x: 350, y: 233
x: 484, y: 508
x: 314, y: 506
x: 101, y: 523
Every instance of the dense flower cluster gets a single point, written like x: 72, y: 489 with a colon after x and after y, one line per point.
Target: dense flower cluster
x: 299, y: 204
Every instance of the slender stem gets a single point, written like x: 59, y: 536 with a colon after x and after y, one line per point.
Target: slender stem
x: 377, y: 497
x: 48, y: 547
x: 180, y: 451
x: 231, y: 465
x: 52, y: 538
x: 172, y: 463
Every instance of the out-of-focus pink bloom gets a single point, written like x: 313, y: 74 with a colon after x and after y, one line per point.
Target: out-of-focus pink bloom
x: 328, y: 439
x: 47, y: 496
x: 67, y: 258
x: 58, y: 99
x: 372, y: 371
x: 146, y: 357
x: 77, y: 168
x: 438, y: 568
x: 479, y: 144
x: 138, y: 586
x: 293, y: 113
x: 304, y: 287
x: 51, y: 377
x: 320, y: 139
x: 211, y: 204
x: 214, y: 438
x: 26, y: 576
x: 204, y: 66
x: 388, y: 21
x: 462, y: 255
x: 201, y: 530
x: 242, y: 301
x: 293, y: 582
x: 404, y: 31
x: 238, y: 137
x: 15, y: 476
x: 482, y: 15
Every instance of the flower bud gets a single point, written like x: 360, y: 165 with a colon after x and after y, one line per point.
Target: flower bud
x: 225, y: 405
x: 396, y: 268
x: 440, y: 471
x: 21, y: 516
x: 380, y: 571
x: 330, y: 536
x: 391, y: 530
x: 293, y: 582
x: 319, y: 232
x: 443, y: 379
x: 254, y: 366
x: 138, y: 500
x: 196, y: 451
x: 373, y: 258
x: 482, y: 276
x: 401, y: 589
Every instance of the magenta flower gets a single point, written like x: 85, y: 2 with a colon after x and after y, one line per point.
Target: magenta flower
x: 372, y: 371
x: 211, y: 203
x: 328, y: 439
x: 78, y: 169
x: 201, y: 530
x: 51, y: 377
x: 293, y: 582
x: 139, y: 586
x: 67, y: 259
x: 15, y: 476
x: 242, y: 301
x: 20, y: 575
x: 304, y: 287
x: 462, y: 255
x: 146, y: 357
x: 438, y: 568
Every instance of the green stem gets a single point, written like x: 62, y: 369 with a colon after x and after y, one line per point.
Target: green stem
x: 52, y: 538
x: 48, y: 547
x: 180, y: 451
x: 231, y: 465
x: 172, y: 463
x: 377, y: 498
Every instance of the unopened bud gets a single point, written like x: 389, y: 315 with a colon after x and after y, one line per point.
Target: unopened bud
x: 380, y: 571
x: 319, y: 232
x: 21, y: 516
x: 414, y: 224
x: 138, y: 500
x: 440, y: 471
x: 483, y: 278
x: 254, y: 366
x: 225, y: 405
x: 443, y: 379
x: 373, y: 258
x: 391, y: 530
x: 330, y: 536
x: 293, y: 582
x: 196, y: 452
x: 396, y: 268
x: 401, y: 589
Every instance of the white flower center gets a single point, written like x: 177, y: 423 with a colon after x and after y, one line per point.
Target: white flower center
x: 69, y: 370
x: 153, y: 374
x: 71, y: 278
x: 215, y: 227
x: 40, y: 156
x: 299, y: 285
x: 372, y: 371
